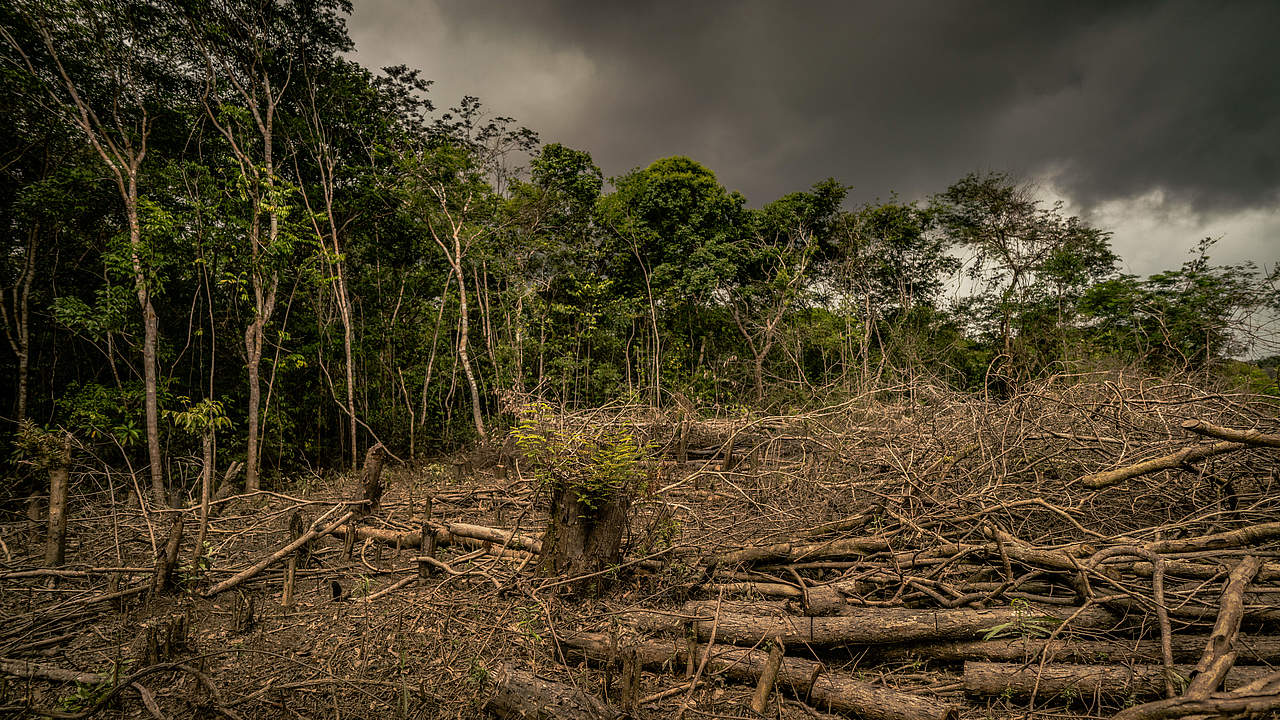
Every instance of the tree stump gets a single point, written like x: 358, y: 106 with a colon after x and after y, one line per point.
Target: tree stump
x: 580, y: 539
x: 162, y: 640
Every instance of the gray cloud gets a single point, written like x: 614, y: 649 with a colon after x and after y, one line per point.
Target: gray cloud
x: 1112, y: 100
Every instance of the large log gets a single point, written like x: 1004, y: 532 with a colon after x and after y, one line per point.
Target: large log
x: 869, y: 626
x: 1020, y: 649
x: 1085, y: 681
x: 804, y: 678
x: 520, y: 694
x: 801, y: 551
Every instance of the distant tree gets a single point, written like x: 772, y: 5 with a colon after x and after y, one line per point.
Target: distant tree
x: 1017, y: 243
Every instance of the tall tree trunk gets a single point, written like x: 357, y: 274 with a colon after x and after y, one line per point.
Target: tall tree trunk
x: 18, y: 330
x: 253, y: 350
x: 150, y: 336
x: 344, y: 309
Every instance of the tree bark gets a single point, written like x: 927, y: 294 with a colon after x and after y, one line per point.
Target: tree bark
x: 1258, y: 649
x: 1186, y: 455
x: 581, y: 540
x: 872, y: 625
x: 59, y: 477
x: 1085, y: 681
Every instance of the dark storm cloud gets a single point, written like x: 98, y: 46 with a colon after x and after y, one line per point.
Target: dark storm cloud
x: 1114, y: 99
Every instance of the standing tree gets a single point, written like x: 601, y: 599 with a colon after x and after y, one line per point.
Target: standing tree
x: 1017, y: 242
x: 108, y: 70
x: 791, y: 234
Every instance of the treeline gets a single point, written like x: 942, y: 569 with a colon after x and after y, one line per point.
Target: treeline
x: 222, y: 233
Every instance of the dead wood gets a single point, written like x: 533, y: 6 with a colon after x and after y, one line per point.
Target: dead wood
x: 1258, y: 649
x: 1084, y: 681
x: 59, y: 478
x: 768, y: 676
x: 35, y: 671
x: 871, y: 625
x: 371, y: 478
x: 803, y: 678
x: 1247, y: 437
x: 168, y: 558
x: 1220, y: 653
x: 1258, y: 699
x: 799, y: 551
x: 449, y: 534
x: 520, y: 694
x: 249, y: 572
x: 1195, y: 453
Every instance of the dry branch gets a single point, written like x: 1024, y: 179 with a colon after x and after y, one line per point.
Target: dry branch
x: 262, y: 564
x: 1195, y: 453
x: 1247, y: 437
x: 1219, y: 653
x: 1264, y: 649
x: 34, y: 671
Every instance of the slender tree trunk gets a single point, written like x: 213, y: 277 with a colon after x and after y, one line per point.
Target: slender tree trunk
x: 150, y: 335
x: 253, y: 349
x: 19, y: 335
x: 463, y: 355
x: 206, y: 489
x: 344, y: 310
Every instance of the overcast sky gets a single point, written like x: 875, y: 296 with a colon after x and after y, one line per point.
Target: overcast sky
x: 1159, y: 121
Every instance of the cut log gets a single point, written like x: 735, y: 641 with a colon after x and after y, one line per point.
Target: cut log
x: 1085, y: 681
x: 801, y: 551
x: 1265, y: 649
x: 449, y: 534
x: 521, y: 694
x: 803, y: 678
x: 1258, y: 699
x: 870, y: 626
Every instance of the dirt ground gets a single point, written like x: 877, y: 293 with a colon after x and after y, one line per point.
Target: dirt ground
x: 919, y: 468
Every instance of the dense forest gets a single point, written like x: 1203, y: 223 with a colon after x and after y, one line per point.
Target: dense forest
x: 227, y: 242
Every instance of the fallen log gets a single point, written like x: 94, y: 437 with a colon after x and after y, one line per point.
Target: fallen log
x: 800, y: 551
x: 520, y: 694
x: 804, y: 678
x: 1265, y: 649
x: 449, y: 534
x: 1085, y: 681
x: 1247, y: 437
x: 1251, y: 535
x: 1195, y: 453
x: 870, y: 626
